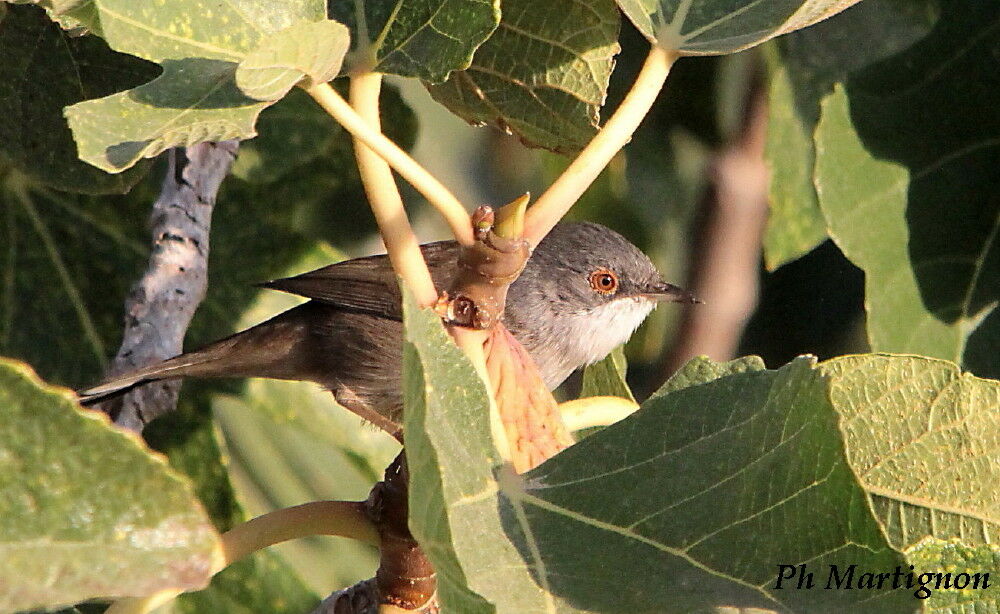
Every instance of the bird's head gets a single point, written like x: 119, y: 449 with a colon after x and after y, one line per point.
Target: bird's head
x: 594, y: 285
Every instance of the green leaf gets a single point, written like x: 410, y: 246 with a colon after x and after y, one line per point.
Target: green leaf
x: 45, y: 69
x: 953, y: 558
x: 196, y: 99
x: 803, y: 68
x: 702, y: 370
x: 795, y: 225
x: 88, y: 510
x: 712, y: 27
x: 67, y: 263
x: 78, y: 16
x: 308, y: 53
x: 541, y: 78
x: 906, y: 159
x: 415, y: 38
x: 442, y: 391
x: 690, y: 501
x: 607, y: 377
x: 923, y: 439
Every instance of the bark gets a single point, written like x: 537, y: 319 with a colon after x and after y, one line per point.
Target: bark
x: 160, y: 305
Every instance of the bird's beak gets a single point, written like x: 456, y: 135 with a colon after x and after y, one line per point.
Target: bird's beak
x: 662, y: 291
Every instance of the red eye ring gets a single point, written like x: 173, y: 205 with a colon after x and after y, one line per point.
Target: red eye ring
x: 603, y: 281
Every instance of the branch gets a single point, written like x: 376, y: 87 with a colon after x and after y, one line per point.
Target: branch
x: 433, y: 190
x: 383, y: 196
x: 727, y: 255
x: 340, y: 518
x: 161, y: 304
x: 616, y: 133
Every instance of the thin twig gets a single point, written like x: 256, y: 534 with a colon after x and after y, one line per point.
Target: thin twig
x: 616, y: 133
x: 383, y: 196
x: 433, y: 190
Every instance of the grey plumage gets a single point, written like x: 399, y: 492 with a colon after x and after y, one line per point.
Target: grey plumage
x: 347, y: 338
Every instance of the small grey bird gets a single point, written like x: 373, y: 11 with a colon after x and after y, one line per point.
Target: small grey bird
x: 583, y: 292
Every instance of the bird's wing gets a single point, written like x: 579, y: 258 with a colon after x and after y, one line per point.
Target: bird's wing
x: 368, y: 284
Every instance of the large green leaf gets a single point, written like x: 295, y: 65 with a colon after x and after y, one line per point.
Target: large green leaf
x: 689, y: 502
x: 803, y: 67
x: 88, y: 511
x: 924, y: 440
x: 415, y: 38
x: 43, y: 70
x: 540, y: 78
x: 906, y: 174
x: 709, y: 27
x: 197, y: 97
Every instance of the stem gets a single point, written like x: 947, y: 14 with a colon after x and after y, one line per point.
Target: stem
x: 340, y: 518
x: 574, y: 181
x: 433, y: 190
x: 595, y: 411
x: 383, y: 196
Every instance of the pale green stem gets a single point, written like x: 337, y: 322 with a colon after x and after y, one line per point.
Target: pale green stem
x: 383, y: 196
x: 340, y: 518
x: 574, y: 181
x: 433, y: 190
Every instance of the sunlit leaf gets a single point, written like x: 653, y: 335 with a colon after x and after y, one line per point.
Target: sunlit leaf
x: 924, y: 440
x: 310, y: 52
x: 196, y: 99
x: 709, y: 27
x: 88, y: 510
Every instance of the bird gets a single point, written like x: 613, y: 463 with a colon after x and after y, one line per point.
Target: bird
x: 583, y: 292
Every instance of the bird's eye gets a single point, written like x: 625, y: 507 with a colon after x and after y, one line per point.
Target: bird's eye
x: 604, y: 281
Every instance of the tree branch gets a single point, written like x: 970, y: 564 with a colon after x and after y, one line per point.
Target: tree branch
x: 160, y: 305
x: 727, y: 256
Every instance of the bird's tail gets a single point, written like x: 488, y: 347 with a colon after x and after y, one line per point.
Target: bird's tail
x: 270, y: 349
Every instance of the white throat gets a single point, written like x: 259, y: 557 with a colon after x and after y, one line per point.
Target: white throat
x: 603, y: 329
